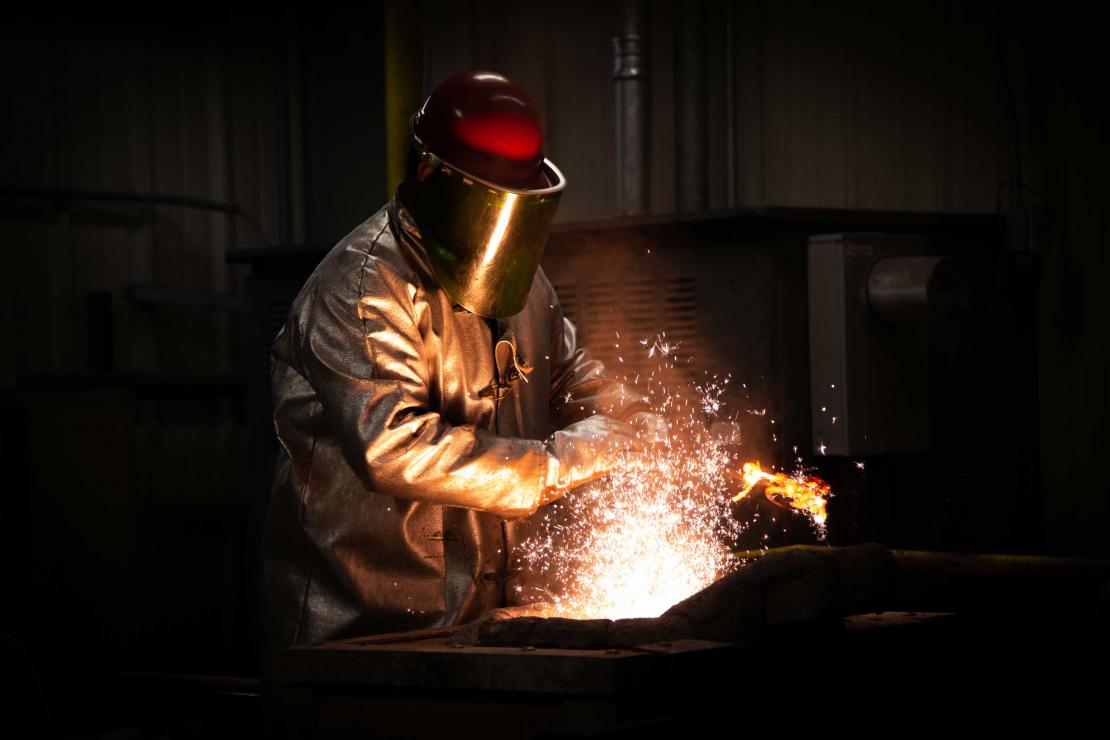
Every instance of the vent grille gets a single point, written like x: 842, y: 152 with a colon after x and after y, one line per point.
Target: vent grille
x: 636, y: 310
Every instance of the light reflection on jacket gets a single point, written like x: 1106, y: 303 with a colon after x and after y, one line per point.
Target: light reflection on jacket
x: 405, y: 445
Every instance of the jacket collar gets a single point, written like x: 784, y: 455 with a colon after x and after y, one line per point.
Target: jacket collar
x: 408, y: 236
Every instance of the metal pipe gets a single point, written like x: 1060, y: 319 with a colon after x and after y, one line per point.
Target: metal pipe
x: 63, y: 198
x: 64, y: 195
x: 908, y: 290
x: 630, y: 79
x: 691, y: 151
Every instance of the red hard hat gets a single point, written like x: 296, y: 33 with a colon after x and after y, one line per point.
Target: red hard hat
x: 480, y: 190
x: 486, y: 125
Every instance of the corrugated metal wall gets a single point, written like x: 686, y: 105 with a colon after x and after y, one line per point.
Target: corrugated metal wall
x: 861, y: 105
x: 864, y: 105
x: 128, y: 108
x: 133, y: 481
x: 123, y: 424
x: 1074, y: 308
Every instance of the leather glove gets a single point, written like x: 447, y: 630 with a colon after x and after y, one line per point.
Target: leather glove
x: 584, y: 451
x: 652, y: 429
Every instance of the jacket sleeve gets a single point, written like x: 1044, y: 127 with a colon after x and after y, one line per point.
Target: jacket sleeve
x: 580, y: 385
x: 361, y: 351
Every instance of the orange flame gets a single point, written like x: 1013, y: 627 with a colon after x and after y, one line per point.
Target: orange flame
x: 807, y: 494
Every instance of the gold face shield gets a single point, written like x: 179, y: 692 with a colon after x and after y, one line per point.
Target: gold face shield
x: 484, y: 242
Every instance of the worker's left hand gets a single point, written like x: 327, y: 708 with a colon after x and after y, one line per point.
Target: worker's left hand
x: 652, y: 429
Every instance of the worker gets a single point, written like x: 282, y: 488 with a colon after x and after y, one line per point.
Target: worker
x: 428, y: 392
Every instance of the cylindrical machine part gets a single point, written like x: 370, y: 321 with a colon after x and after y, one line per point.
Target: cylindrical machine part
x: 691, y: 147
x: 630, y: 79
x: 906, y: 290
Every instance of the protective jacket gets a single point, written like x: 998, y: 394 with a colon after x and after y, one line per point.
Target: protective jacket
x: 415, y: 437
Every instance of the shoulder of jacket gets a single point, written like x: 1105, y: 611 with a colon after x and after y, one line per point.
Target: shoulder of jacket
x: 365, y: 261
x: 543, y: 283
x: 367, y: 255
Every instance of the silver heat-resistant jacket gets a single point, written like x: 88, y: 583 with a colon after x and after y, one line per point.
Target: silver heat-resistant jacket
x: 413, y: 444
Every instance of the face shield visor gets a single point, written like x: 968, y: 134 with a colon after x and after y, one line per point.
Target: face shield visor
x: 484, y: 241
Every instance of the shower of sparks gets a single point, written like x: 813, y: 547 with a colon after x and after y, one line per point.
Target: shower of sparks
x: 661, y: 527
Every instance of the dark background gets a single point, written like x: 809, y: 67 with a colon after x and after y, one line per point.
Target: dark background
x: 170, y: 173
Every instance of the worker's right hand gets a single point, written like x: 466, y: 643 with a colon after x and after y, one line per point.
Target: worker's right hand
x: 584, y: 451
x: 652, y: 429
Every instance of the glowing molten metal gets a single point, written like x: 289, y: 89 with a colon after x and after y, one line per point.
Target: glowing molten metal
x: 799, y: 492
